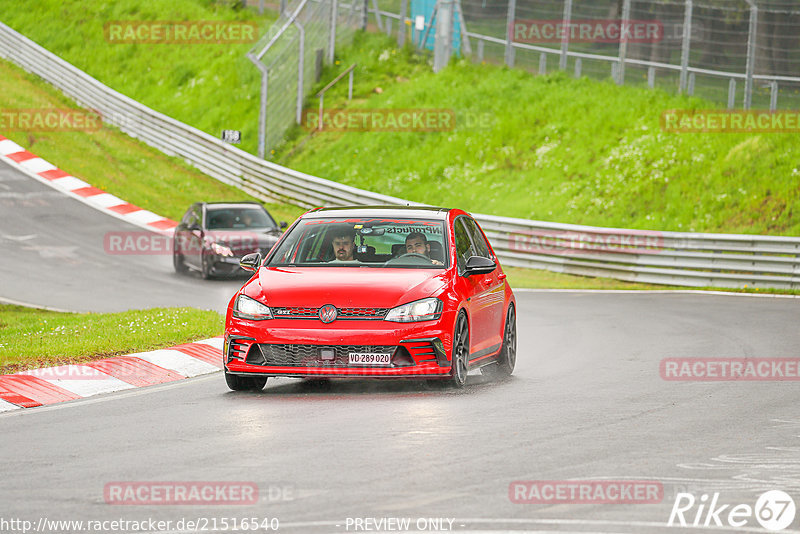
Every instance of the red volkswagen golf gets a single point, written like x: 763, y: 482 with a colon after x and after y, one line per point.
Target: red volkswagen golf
x: 373, y: 292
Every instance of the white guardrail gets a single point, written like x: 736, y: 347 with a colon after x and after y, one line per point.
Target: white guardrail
x: 679, y: 258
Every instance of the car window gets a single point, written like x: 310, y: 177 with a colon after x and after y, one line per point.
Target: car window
x: 238, y: 218
x: 370, y: 242
x: 478, y: 240
x: 463, y: 244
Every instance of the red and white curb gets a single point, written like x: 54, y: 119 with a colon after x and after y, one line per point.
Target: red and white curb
x: 51, y: 385
x: 47, y: 173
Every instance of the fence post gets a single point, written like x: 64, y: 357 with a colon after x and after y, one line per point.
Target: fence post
x: 480, y: 50
x: 332, y: 33
x: 562, y: 62
x: 751, y: 55
x: 578, y: 67
x: 300, y: 73
x: 512, y: 9
x: 623, y: 42
x: 687, y: 38
x: 773, y: 95
x: 364, y: 14
x: 542, y: 63
x: 651, y: 77
x: 401, y: 31
x: 443, y: 44
x: 690, y: 89
x: 731, y: 93
x: 283, y: 6
x: 262, y: 111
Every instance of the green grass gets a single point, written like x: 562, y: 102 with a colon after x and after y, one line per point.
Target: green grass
x: 552, y: 147
x: 111, y: 160
x: 557, y: 149
x: 32, y: 338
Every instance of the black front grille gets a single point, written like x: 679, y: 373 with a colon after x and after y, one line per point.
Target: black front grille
x: 312, y: 355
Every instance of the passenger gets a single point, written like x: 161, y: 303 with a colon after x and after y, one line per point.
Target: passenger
x: 417, y: 243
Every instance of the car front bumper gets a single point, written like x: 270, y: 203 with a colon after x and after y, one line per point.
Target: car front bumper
x: 307, y: 347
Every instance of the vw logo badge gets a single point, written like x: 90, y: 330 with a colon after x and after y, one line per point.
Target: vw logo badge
x: 328, y: 313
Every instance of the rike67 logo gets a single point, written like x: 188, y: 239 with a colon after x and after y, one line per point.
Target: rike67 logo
x: 774, y: 510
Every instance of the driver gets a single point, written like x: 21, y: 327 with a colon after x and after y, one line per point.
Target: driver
x: 344, y: 244
x: 417, y: 243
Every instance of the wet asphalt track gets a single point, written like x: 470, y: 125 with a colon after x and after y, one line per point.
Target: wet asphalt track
x: 586, y: 402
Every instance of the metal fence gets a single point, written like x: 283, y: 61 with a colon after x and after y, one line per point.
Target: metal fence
x: 290, y: 58
x: 744, y: 53
x: 689, y: 259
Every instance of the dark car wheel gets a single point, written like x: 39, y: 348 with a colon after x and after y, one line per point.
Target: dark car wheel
x: 177, y: 260
x: 507, y: 358
x: 245, y: 383
x: 458, y: 373
x: 205, y: 266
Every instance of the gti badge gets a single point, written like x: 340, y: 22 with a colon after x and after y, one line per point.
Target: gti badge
x: 328, y: 313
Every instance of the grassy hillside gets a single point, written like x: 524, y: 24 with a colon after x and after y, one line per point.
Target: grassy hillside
x: 550, y: 147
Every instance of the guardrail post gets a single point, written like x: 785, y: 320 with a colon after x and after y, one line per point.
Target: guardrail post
x: 687, y: 39
x: 651, y: 77
x: 623, y: 42
x: 751, y: 55
x: 542, y: 63
x: 512, y: 9
x: 480, y: 50
x: 578, y: 65
x: 690, y: 89
x: 562, y: 62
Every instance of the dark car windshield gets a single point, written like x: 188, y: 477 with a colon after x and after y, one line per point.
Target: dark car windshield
x: 370, y: 242
x: 236, y: 218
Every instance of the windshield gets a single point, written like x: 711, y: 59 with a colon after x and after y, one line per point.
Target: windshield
x: 231, y: 218
x: 364, y: 242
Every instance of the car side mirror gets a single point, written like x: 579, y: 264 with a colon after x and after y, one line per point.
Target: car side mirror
x: 251, y: 262
x: 479, y: 265
x: 283, y: 225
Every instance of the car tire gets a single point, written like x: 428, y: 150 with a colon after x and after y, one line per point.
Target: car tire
x: 507, y: 358
x: 177, y: 260
x: 205, y: 266
x: 245, y: 383
x: 460, y: 354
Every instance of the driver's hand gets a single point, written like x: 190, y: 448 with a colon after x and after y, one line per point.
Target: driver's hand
x: 436, y: 262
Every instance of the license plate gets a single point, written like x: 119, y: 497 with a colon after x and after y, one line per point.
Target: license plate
x: 369, y: 358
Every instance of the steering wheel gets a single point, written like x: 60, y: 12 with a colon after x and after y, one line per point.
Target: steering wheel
x: 410, y: 258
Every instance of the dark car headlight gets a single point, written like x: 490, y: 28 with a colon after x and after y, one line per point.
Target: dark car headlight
x: 247, y: 308
x: 419, y: 310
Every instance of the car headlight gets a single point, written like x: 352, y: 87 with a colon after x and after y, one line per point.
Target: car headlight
x: 247, y: 308
x: 221, y: 250
x: 419, y: 310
